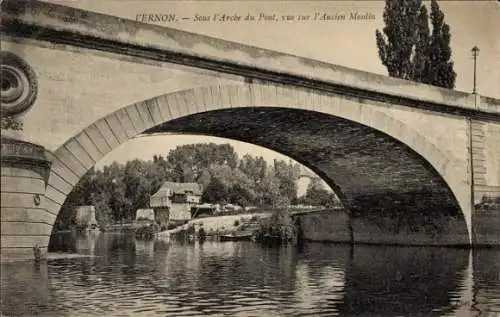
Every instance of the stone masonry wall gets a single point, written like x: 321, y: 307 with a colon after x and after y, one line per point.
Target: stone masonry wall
x: 330, y: 225
x: 77, y: 87
x: 25, y: 220
x: 451, y: 232
x: 335, y: 226
x: 485, y: 146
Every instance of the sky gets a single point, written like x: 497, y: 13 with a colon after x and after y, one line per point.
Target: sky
x: 347, y: 43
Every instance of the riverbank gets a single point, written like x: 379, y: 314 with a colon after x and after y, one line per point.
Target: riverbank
x: 216, y: 224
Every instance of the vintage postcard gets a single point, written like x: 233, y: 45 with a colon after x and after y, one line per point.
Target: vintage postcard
x: 250, y: 158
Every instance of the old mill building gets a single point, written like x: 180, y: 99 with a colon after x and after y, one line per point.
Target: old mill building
x: 173, y: 201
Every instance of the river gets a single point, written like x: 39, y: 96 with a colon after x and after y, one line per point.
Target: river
x: 119, y: 276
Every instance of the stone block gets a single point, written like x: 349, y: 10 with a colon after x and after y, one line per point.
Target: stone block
x: 18, y: 214
x: 116, y: 126
x: 326, y: 226
x: 25, y: 241
x: 15, y: 184
x: 98, y: 139
x: 107, y: 134
x: 154, y: 111
x: 14, y: 228
x: 78, y: 151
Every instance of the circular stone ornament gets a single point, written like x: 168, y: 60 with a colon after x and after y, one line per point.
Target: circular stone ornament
x: 19, y: 86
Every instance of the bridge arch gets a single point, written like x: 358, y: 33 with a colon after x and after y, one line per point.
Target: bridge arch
x: 170, y: 111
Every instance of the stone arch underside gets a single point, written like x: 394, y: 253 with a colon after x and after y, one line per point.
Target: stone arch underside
x: 397, y: 185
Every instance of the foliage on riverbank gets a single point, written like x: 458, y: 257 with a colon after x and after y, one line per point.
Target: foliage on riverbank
x: 277, y: 229
x: 198, y: 231
x: 119, y: 190
x: 489, y: 203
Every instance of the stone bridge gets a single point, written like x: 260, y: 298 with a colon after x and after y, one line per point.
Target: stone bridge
x: 413, y: 164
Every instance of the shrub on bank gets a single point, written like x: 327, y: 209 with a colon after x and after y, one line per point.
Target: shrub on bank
x: 202, y: 234
x: 277, y: 229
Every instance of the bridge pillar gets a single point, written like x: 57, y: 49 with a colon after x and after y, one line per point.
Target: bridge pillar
x: 25, y: 224
x: 485, y: 167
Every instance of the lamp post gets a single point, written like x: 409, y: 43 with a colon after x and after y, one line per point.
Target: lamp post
x: 475, y: 53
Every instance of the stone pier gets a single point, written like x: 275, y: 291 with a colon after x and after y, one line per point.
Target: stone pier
x: 25, y: 222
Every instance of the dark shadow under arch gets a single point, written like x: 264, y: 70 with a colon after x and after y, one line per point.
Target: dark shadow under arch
x: 376, y: 176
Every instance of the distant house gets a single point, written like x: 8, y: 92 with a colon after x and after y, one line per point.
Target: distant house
x: 173, y: 201
x: 145, y: 215
x: 85, y: 217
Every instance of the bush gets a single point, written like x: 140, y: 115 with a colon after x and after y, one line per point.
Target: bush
x: 277, y: 229
x: 190, y: 229
x: 236, y: 223
x: 202, y: 234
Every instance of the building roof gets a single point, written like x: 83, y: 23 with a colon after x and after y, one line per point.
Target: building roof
x: 169, y: 188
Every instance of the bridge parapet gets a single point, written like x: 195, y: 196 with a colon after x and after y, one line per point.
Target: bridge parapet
x: 65, y: 25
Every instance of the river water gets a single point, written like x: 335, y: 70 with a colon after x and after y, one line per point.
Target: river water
x: 124, y: 277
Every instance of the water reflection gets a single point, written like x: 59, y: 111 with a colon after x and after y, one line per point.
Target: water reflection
x: 486, y: 281
x: 421, y: 281
x: 143, y: 278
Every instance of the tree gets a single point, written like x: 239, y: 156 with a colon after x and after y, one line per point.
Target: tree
x: 317, y: 195
x: 400, y: 17
x: 177, y: 173
x: 440, y: 68
x: 287, y: 175
x: 409, y: 50
x: 240, y: 195
x: 234, y: 181
x: 269, y: 190
x: 204, y: 178
x: 119, y: 189
x: 118, y: 202
x: 223, y: 173
x: 248, y: 165
x: 420, y: 59
x: 215, y: 193
x: 288, y: 188
x: 137, y: 186
x: 202, y: 155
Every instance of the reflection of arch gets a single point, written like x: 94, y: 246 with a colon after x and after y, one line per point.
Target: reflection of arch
x: 390, y: 269
x: 81, y: 152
